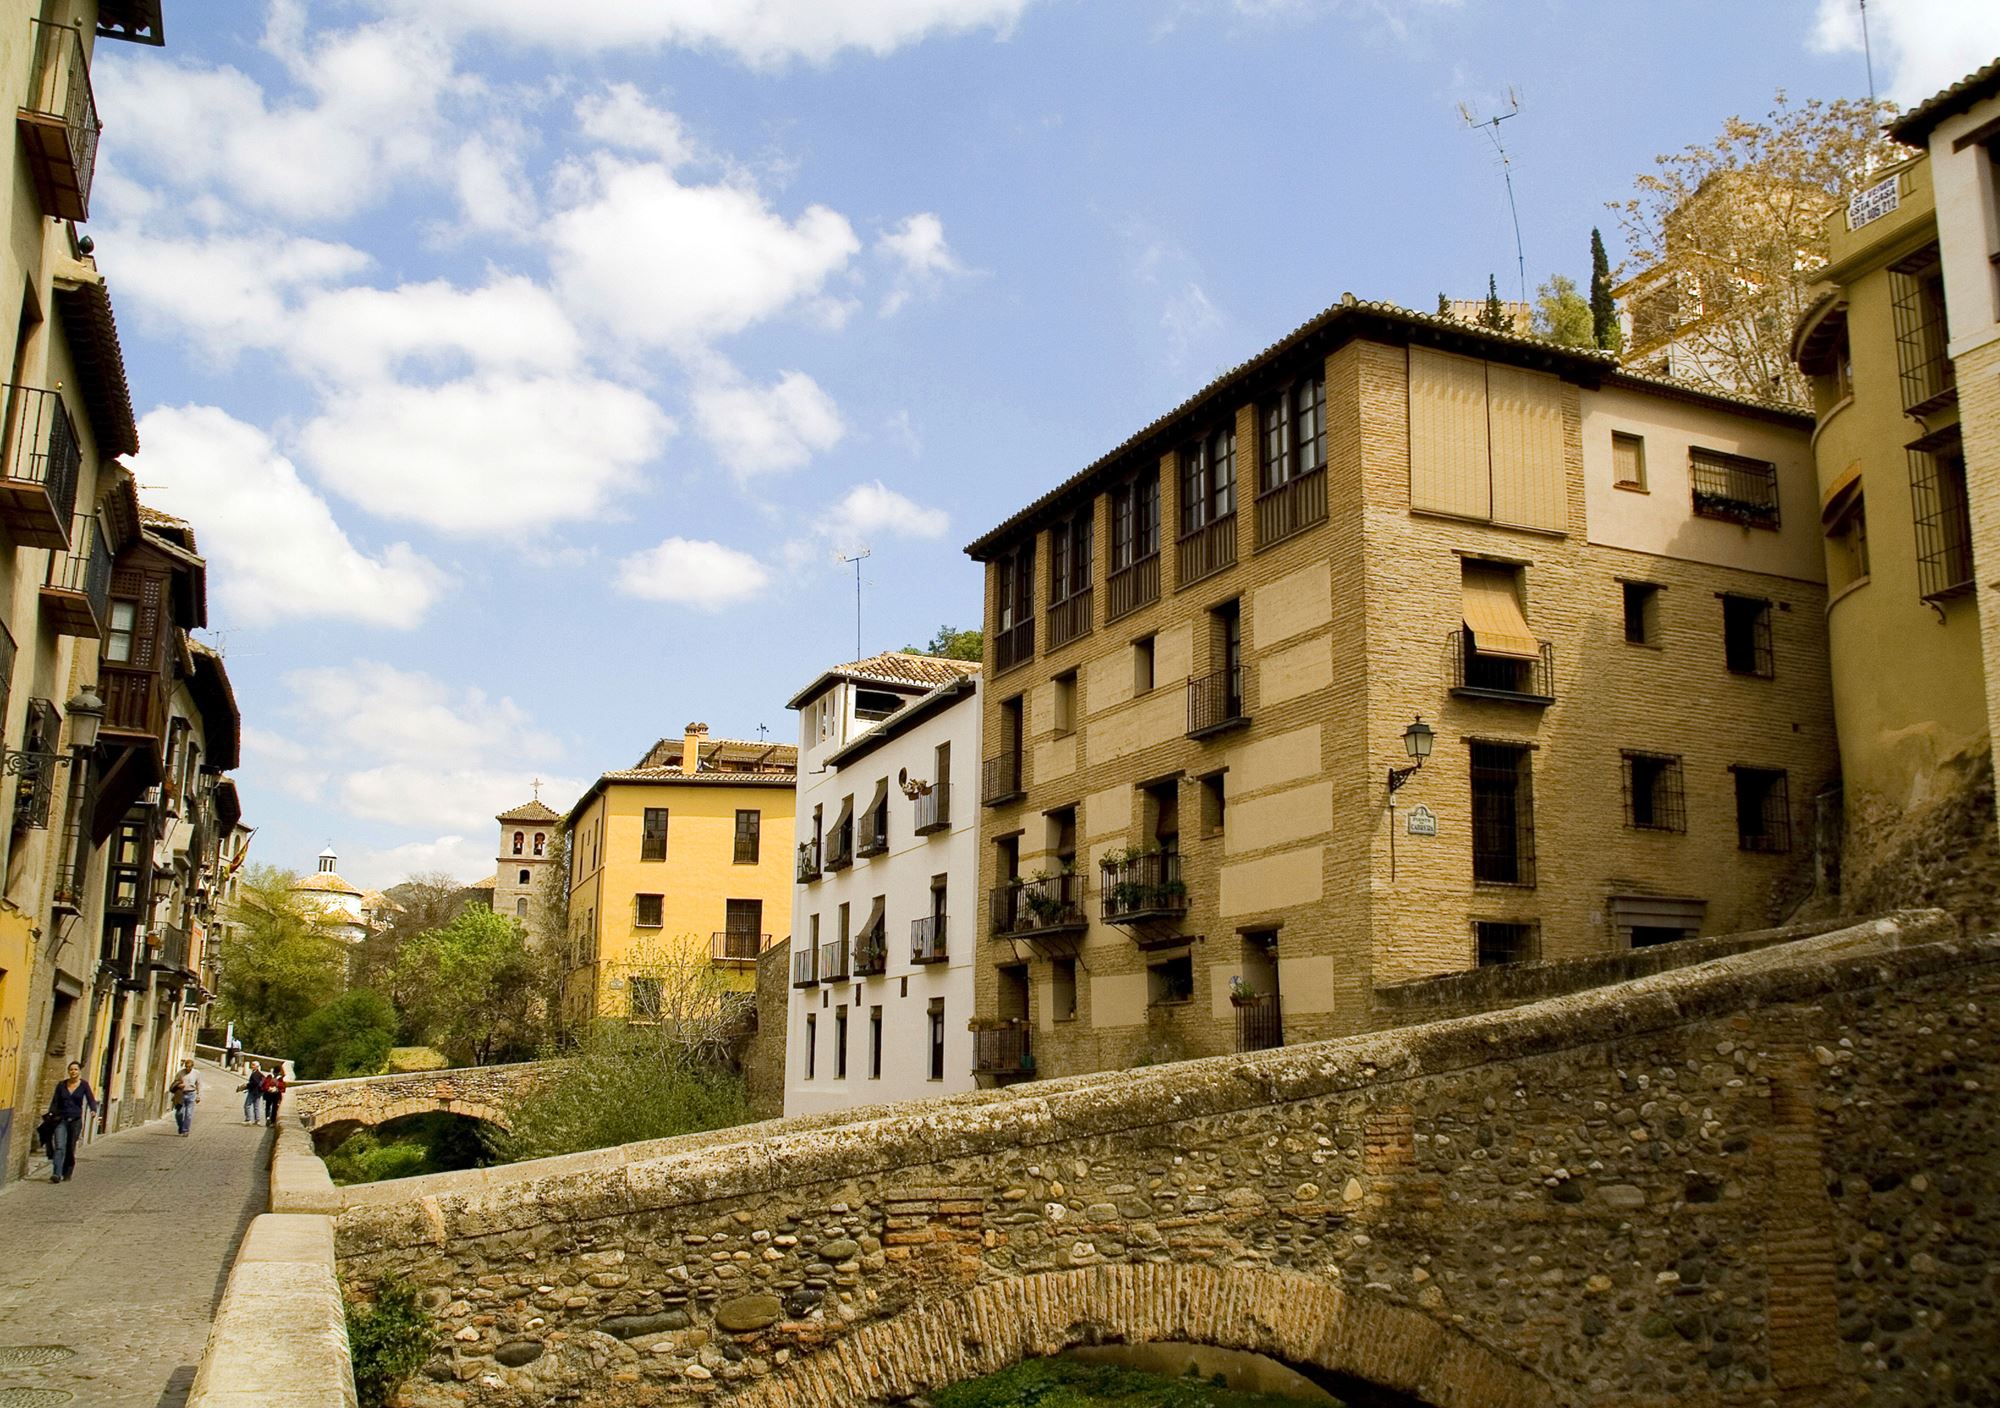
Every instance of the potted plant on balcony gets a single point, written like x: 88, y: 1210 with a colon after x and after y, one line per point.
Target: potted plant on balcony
x: 1241, y: 994
x: 1042, y: 903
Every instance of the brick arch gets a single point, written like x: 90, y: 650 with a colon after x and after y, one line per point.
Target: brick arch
x: 1400, y: 1354
x: 367, y: 1114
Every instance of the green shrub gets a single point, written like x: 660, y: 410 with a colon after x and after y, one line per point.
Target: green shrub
x: 389, y: 1340
x: 350, y: 1036
x: 416, y: 1144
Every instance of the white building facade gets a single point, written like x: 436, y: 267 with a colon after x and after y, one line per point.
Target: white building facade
x: 887, y: 856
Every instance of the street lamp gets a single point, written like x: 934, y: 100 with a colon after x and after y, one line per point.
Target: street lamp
x: 1417, y: 740
x: 86, y: 714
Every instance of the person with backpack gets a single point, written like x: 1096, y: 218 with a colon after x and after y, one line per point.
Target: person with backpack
x: 274, y: 1091
x: 73, y: 1099
x: 253, y: 1098
x: 185, y: 1093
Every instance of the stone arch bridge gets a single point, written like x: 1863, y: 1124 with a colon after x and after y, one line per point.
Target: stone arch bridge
x: 331, y: 1110
x: 1772, y: 1178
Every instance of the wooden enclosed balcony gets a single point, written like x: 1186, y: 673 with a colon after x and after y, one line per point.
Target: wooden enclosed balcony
x: 40, y: 463
x: 58, y: 122
x: 134, y: 702
x: 76, y: 593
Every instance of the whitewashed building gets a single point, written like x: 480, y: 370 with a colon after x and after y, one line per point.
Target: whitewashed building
x: 883, y: 913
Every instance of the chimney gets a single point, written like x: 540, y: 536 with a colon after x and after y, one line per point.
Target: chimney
x: 691, y: 749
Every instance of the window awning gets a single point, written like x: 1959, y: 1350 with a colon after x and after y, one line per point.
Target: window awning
x: 1842, y: 497
x: 877, y: 922
x: 1493, y: 615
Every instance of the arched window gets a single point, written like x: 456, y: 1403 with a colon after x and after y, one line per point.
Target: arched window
x: 541, y: 841
x: 519, y: 841
x: 521, y: 908
x: 524, y: 878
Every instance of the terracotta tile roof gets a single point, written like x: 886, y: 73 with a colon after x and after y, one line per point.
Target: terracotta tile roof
x: 535, y: 811
x: 899, y: 669
x: 707, y: 779
x: 328, y: 881
x: 1914, y: 127
x: 723, y: 754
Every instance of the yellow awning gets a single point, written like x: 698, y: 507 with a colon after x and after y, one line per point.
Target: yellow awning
x: 1493, y: 615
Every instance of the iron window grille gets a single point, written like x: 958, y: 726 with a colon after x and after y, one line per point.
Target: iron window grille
x: 1655, y: 799
x: 1496, y: 942
x: 1503, y: 814
x: 1763, y: 810
x: 1942, y: 512
x: 1746, y: 636
x: 1916, y: 302
x: 1734, y: 488
x: 647, y: 911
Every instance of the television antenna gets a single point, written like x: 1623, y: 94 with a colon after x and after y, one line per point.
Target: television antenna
x: 1868, y: 56
x: 1491, y: 127
x: 857, y: 559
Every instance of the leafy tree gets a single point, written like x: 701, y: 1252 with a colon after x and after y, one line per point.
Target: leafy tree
x: 350, y: 1036
x: 952, y: 644
x: 1604, y: 330
x: 548, y: 941
x: 425, y: 901
x: 1494, y: 314
x: 1731, y: 235
x: 468, y: 988
x: 280, y: 962
x: 1561, y: 314
x: 389, y: 1340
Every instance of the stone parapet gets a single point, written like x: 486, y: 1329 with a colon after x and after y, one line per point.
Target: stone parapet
x: 280, y: 1334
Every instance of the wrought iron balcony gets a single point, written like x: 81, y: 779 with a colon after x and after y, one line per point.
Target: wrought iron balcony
x: 872, y: 837
x: 1734, y: 488
x: 934, y: 809
x: 1047, y: 904
x: 840, y: 846
x: 1217, y: 703
x: 737, y: 948
x: 40, y: 462
x: 927, y: 939
x: 808, y: 861
x: 805, y: 968
x: 58, y: 122
x: 1004, y: 1053
x: 871, y: 951
x: 1138, y: 888
x: 833, y: 961
x: 77, y: 591
x: 1503, y: 677
x: 1000, y: 779
x: 1260, y: 1023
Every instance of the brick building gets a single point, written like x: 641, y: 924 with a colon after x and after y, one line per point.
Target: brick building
x: 1596, y: 597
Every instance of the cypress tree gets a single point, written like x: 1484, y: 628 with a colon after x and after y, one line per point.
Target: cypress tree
x: 1603, y: 311
x: 1494, y: 316
x: 1444, y: 306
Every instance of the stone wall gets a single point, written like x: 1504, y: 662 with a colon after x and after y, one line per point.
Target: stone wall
x: 764, y: 1056
x: 1945, y: 854
x: 1706, y: 1186
x: 333, y: 1109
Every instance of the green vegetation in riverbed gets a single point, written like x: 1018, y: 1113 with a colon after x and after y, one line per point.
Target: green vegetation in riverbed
x: 1063, y: 1383
x: 407, y: 1147
x: 389, y: 1339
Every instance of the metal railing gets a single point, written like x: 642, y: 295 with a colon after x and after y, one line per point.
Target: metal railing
x: 1216, y: 702
x: 1009, y: 1051
x: 1014, y: 646
x: 1292, y: 507
x: 927, y: 939
x: 840, y: 846
x: 84, y: 570
x: 1923, y: 357
x: 1069, y: 618
x: 1477, y: 676
x: 1260, y: 1023
x: 1142, y: 887
x: 1132, y: 587
x: 60, y: 122
x: 40, y: 450
x: 833, y: 961
x: 1207, y: 550
x: 1734, y: 488
x: 934, y: 809
x: 805, y: 970
x: 737, y: 947
x: 1000, y: 779
x: 1039, y: 905
x: 873, y: 829
x: 808, y: 861
x: 871, y: 951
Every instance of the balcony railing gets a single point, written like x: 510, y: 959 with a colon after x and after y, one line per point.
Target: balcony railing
x: 1142, y: 887
x: 1132, y: 587
x: 1005, y: 1054
x: 1291, y: 508
x: 927, y: 939
x: 873, y: 833
x: 934, y: 809
x: 1476, y: 676
x: 1217, y: 702
x: 1207, y: 550
x: 1260, y: 1023
x: 1014, y: 646
x: 1046, y: 904
x: 736, y: 948
x: 1923, y: 358
x: 805, y: 968
x: 840, y: 846
x: 871, y: 951
x: 1069, y: 618
x: 1734, y: 488
x: 58, y: 122
x: 77, y: 590
x: 168, y: 949
x: 808, y: 861
x: 833, y: 961
x: 39, y: 465
x: 1000, y: 779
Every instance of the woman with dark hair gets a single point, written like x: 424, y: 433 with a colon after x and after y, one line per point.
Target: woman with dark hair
x: 274, y: 1091
x: 73, y: 1099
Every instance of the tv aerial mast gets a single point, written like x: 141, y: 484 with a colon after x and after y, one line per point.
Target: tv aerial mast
x: 857, y: 559
x: 1491, y: 127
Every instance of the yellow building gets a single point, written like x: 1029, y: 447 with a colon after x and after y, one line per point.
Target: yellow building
x: 688, y: 855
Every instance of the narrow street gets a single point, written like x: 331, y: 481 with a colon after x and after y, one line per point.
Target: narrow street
x: 110, y: 1279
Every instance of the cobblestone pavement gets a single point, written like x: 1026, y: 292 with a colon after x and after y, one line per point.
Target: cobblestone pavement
x: 124, y: 1263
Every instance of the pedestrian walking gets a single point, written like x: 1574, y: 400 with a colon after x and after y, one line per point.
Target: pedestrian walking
x: 186, y: 1094
x: 253, y: 1098
x: 232, y: 1053
x: 73, y: 1099
x: 274, y: 1091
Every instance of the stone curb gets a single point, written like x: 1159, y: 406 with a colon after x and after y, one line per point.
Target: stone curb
x: 280, y: 1335
x: 299, y: 1180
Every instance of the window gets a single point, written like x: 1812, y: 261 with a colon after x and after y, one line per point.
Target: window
x: 840, y: 1042
x: 1135, y: 520
x: 1069, y: 556
x: 1654, y: 799
x: 1942, y: 513
x: 118, y: 632
x: 519, y: 842
x: 1294, y: 442
x: 1763, y: 810
x: 1170, y: 980
x: 812, y: 1043
x: 1846, y: 520
x: 648, y: 910
x: 1214, y: 803
x: 876, y: 704
x: 749, y: 827
x: 1746, y: 635
x: 1734, y: 488
x: 1628, y: 461
x: 935, y: 1038
x: 1162, y: 814
x: 1498, y: 651
x: 521, y: 908
x: 743, y: 916
x: 1503, y: 815
x: 1142, y: 665
x: 1642, y: 613
x: 1916, y: 299
x: 541, y: 843
x: 1014, y: 599
x: 1062, y: 989
x: 875, y: 1042
x: 653, y: 834
x: 521, y: 877
x: 643, y: 997
x: 1495, y: 942
x: 1208, y: 480
x: 1064, y: 703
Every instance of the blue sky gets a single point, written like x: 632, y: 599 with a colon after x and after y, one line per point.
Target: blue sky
x: 524, y: 368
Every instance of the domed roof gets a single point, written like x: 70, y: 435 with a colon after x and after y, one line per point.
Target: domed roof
x: 326, y: 882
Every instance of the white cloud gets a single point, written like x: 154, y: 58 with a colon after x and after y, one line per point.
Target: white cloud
x: 494, y: 453
x: 380, y: 712
x: 663, y: 264
x: 494, y: 194
x: 1188, y: 317
x: 426, y: 795
x: 621, y: 117
x: 356, y: 335
x: 466, y: 859
x: 765, y: 429
x: 1920, y: 46
x: 693, y: 572
x: 917, y: 248
x: 869, y: 510
x: 225, y: 293
x: 274, y: 549
x: 762, y: 33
